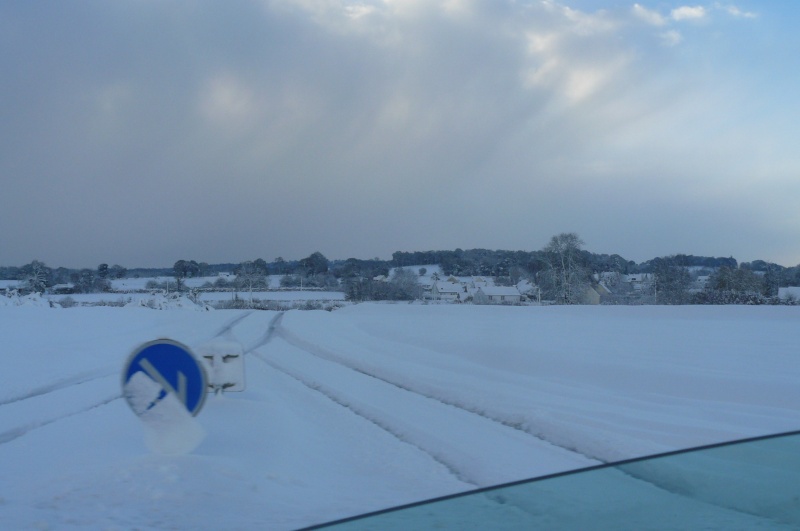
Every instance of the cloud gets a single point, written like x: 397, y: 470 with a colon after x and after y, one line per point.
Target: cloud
x: 357, y: 11
x: 651, y: 17
x: 735, y: 11
x: 689, y: 13
x: 227, y: 101
x: 671, y: 38
x: 572, y: 55
x: 357, y: 128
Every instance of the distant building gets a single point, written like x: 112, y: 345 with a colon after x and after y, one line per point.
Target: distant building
x: 447, y: 291
x: 789, y: 294
x: 63, y: 289
x: 639, y: 281
x: 497, y: 295
x: 699, y: 284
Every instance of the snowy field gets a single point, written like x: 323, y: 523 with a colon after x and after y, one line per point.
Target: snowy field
x: 373, y: 405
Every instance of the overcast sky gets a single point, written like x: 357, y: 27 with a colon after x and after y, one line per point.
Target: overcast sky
x: 141, y: 132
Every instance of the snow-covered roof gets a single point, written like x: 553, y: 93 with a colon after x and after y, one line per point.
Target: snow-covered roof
x: 448, y: 287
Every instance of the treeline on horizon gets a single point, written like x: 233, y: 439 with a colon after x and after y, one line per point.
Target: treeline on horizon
x: 458, y: 262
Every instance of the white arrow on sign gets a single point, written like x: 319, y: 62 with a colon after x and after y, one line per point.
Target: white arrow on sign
x: 158, y: 377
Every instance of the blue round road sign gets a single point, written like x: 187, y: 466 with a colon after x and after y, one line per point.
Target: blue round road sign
x: 172, y: 366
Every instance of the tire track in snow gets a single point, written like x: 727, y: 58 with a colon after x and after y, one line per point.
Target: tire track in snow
x: 57, y: 386
x: 329, y: 394
x: 89, y: 376
x: 274, y: 328
x: 267, y: 337
x: 318, y: 352
x: 10, y: 435
x: 227, y: 330
x: 326, y: 355
x: 343, y: 402
x: 53, y: 395
x: 652, y: 480
x: 449, y: 456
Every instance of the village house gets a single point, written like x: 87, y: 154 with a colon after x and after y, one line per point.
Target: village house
x: 448, y: 291
x: 789, y: 294
x: 701, y: 282
x: 497, y: 295
x: 639, y: 281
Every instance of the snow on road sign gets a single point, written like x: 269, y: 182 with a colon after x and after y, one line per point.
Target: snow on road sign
x: 174, y: 368
x: 224, y: 364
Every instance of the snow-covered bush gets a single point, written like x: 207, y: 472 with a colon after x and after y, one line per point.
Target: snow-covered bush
x: 13, y: 298
x: 162, y: 301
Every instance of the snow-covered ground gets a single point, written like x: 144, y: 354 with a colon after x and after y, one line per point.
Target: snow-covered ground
x: 372, y: 405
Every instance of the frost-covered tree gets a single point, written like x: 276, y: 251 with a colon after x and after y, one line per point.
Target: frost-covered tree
x: 404, y: 285
x: 735, y: 286
x: 36, y: 276
x: 84, y: 281
x: 192, y: 269
x: 670, y: 281
x: 117, y: 271
x: 251, y: 275
x: 565, y: 279
x: 280, y: 265
x: 185, y: 269
x: 260, y: 264
x: 179, y: 268
x: 314, y: 264
x: 771, y: 282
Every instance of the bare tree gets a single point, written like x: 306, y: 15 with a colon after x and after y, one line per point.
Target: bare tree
x: 565, y: 279
x: 250, y: 275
